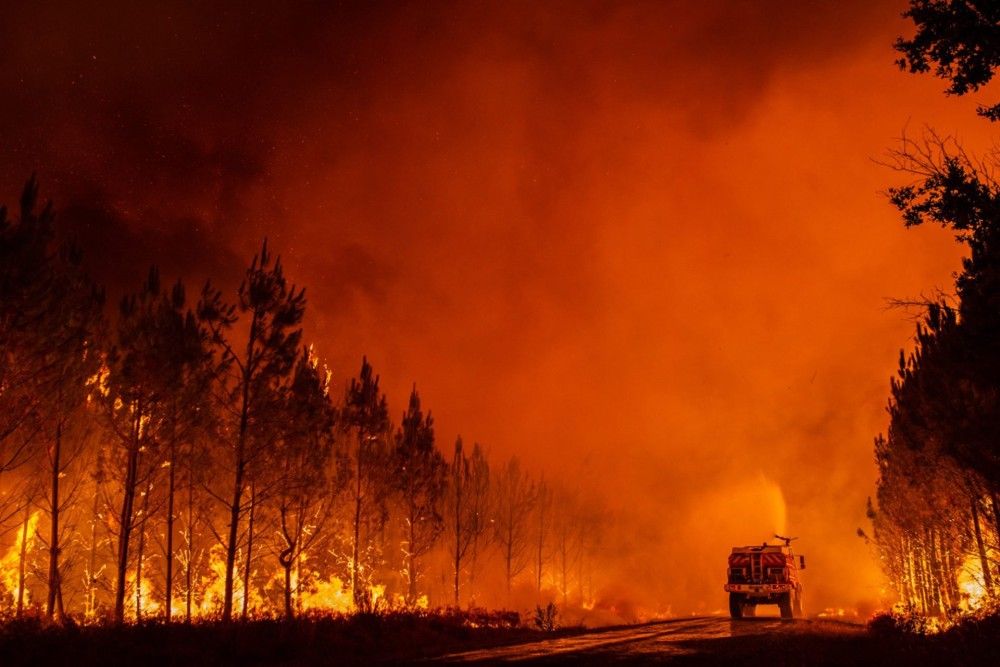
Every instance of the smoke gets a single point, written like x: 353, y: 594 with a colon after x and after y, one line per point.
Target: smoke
x: 638, y: 245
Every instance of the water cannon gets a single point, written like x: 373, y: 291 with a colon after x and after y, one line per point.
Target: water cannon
x: 787, y: 540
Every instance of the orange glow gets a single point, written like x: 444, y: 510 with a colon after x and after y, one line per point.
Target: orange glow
x: 970, y: 584
x: 10, y: 564
x: 641, y: 246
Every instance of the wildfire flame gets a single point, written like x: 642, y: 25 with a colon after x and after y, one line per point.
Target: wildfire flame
x: 9, y: 564
x: 971, y: 584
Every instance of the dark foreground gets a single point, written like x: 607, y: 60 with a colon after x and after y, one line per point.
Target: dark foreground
x: 427, y: 638
x: 760, y: 641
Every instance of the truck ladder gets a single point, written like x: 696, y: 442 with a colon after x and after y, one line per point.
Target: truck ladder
x: 756, y: 575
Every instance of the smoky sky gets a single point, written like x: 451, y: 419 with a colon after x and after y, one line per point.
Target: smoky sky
x: 639, y: 245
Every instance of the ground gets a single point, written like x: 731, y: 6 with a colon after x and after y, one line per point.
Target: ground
x: 405, y: 639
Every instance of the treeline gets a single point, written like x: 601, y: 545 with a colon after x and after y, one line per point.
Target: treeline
x: 937, y: 519
x: 183, y: 458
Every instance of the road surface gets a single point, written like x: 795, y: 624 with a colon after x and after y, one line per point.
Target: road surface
x: 699, y: 640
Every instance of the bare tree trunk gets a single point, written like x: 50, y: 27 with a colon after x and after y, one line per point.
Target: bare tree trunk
x: 249, y: 559
x: 563, y: 556
x: 286, y: 558
x: 188, y: 574
x: 234, y: 520
x: 981, y: 547
x: 54, y: 583
x: 473, y: 565
x: 298, y: 582
x: 456, y: 481
x: 168, y: 592
x: 412, y: 564
x: 128, y: 502
x: 538, y: 561
x: 357, y: 526
x: 140, y: 551
x: 22, y: 556
x: 287, y: 565
x: 508, y: 558
x: 92, y: 566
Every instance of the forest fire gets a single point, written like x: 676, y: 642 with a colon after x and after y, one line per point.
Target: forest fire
x: 971, y: 584
x: 12, y: 571
x: 512, y: 317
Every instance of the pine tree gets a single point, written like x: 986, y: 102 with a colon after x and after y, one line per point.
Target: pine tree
x: 273, y: 311
x: 419, y: 480
x: 366, y: 418
x: 305, y: 457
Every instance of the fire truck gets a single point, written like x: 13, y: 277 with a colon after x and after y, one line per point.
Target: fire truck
x: 765, y: 574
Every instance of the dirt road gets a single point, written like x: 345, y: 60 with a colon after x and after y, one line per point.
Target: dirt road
x: 701, y: 640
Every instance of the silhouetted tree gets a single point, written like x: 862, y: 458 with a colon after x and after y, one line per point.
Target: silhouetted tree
x: 419, y: 478
x: 304, y: 455
x: 960, y: 39
x: 543, y: 524
x: 366, y: 417
x: 58, y: 350
x: 514, y: 496
x: 273, y: 311
x: 939, y: 462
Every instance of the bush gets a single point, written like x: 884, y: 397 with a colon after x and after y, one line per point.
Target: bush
x: 545, y: 618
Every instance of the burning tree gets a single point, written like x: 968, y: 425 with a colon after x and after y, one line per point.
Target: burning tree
x: 939, y: 462
x: 273, y: 310
x: 467, y: 506
x: 366, y: 417
x: 310, y: 478
x: 514, y: 495
x: 213, y: 417
x: 152, y: 389
x: 419, y: 480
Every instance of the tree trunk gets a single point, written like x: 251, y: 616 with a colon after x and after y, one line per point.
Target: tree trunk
x: 22, y: 556
x: 92, y: 567
x: 508, y: 558
x: 412, y: 564
x: 249, y: 559
x: 287, y: 565
x: 981, y: 547
x: 456, y: 480
x: 538, y: 563
x: 168, y: 593
x: 473, y: 565
x: 188, y: 574
x: 128, y: 501
x: 234, y: 520
x: 55, y: 460
x: 140, y: 550
x: 563, y: 558
x: 357, y: 525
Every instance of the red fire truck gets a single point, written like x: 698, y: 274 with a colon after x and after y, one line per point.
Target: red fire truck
x: 765, y: 574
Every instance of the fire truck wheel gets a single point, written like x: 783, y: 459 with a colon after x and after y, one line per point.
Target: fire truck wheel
x: 735, y: 605
x: 797, y: 604
x: 785, y: 605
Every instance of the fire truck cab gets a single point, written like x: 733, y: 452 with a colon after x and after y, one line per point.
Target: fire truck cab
x: 765, y: 574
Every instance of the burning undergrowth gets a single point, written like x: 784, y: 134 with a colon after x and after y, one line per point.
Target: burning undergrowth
x: 313, y: 638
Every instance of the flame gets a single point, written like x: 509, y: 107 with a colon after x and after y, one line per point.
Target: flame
x: 151, y: 606
x: 318, y: 594
x: 971, y: 585
x: 10, y: 563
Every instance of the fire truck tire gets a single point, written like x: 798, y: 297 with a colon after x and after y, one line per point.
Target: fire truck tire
x: 735, y: 605
x: 785, y: 605
x: 797, y: 604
